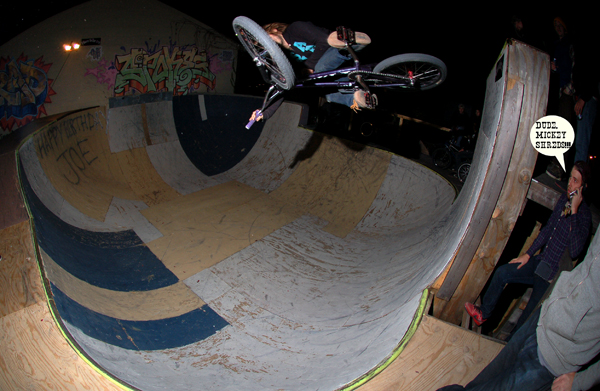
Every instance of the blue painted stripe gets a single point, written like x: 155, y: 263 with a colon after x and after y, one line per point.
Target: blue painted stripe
x: 117, y: 261
x: 221, y: 141
x: 160, y: 334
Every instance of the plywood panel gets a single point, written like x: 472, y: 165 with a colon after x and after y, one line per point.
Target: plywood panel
x: 337, y: 184
x: 437, y: 355
x: 36, y: 356
x: 75, y: 156
x: 143, y: 178
x: 12, y: 208
x: 203, y: 228
x: 20, y: 283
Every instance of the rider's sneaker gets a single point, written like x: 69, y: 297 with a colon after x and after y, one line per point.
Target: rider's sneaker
x: 363, y: 100
x: 361, y: 39
x: 475, y: 313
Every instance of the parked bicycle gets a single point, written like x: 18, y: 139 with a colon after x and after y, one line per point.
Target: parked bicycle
x: 451, y: 155
x: 405, y: 71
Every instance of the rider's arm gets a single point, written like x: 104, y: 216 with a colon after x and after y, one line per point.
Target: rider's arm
x: 271, y: 109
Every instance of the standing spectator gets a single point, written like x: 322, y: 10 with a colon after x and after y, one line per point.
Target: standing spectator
x: 562, y: 63
x: 585, y: 81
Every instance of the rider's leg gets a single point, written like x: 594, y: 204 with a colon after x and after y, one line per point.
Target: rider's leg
x: 342, y: 98
x: 333, y: 58
x: 356, y: 100
x: 330, y: 60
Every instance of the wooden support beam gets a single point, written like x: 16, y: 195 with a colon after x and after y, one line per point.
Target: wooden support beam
x: 419, y: 121
x: 469, y: 272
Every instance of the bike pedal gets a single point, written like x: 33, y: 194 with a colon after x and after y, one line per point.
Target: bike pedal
x: 371, y: 100
x: 346, y: 35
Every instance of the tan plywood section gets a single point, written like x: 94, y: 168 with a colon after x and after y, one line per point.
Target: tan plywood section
x: 203, y: 228
x: 76, y: 158
x: 437, y: 355
x: 36, y: 356
x: 20, y: 284
x: 143, y: 178
x: 337, y: 184
x: 167, y: 302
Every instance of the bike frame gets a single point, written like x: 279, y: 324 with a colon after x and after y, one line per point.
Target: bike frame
x: 313, y: 80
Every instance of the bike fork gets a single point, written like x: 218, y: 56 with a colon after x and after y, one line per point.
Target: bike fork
x: 271, y: 94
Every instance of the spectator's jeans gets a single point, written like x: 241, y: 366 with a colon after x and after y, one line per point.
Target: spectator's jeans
x: 584, y: 130
x: 509, y: 274
x: 516, y: 367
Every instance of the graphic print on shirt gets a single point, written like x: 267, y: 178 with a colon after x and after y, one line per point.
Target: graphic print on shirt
x: 303, y: 47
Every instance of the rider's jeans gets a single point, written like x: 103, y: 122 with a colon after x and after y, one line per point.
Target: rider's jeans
x: 333, y: 59
x: 330, y: 60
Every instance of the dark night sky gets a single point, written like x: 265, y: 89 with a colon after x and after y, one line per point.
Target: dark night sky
x: 467, y: 40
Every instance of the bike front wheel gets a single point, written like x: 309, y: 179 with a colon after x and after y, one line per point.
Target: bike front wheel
x: 411, y: 70
x: 276, y: 68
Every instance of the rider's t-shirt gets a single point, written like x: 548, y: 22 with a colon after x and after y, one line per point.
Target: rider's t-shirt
x: 307, y: 42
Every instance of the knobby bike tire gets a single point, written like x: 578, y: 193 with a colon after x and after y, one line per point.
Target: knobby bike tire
x: 265, y: 52
x: 429, y: 71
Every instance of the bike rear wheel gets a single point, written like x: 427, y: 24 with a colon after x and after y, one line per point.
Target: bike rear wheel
x: 265, y: 52
x: 412, y: 70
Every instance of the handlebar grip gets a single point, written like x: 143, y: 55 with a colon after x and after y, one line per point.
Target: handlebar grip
x: 257, y: 113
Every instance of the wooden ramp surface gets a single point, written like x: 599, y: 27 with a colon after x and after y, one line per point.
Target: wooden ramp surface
x: 189, y: 252
x: 36, y: 355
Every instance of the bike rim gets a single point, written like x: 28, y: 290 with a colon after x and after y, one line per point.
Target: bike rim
x: 260, y: 54
x: 416, y: 73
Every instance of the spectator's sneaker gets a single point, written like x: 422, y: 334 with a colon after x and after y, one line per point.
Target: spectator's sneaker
x: 475, y: 313
x: 360, y: 38
x: 364, y: 100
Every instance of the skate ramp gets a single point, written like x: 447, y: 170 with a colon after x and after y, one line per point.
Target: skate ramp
x: 183, y: 251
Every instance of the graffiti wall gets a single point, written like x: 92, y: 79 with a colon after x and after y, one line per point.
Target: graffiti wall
x: 181, y: 71
x: 137, y: 47
x: 25, y: 89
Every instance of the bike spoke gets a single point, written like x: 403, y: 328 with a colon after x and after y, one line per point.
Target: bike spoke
x: 414, y: 73
x: 272, y: 63
x: 260, y: 54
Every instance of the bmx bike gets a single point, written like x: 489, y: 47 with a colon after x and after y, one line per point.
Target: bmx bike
x: 414, y: 71
x: 450, y: 154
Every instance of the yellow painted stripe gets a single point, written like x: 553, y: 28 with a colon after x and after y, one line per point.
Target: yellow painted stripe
x: 167, y: 302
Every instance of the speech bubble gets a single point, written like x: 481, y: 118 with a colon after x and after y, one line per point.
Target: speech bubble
x: 552, y: 136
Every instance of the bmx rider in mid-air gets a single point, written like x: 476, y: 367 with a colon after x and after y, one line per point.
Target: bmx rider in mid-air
x: 319, y: 50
